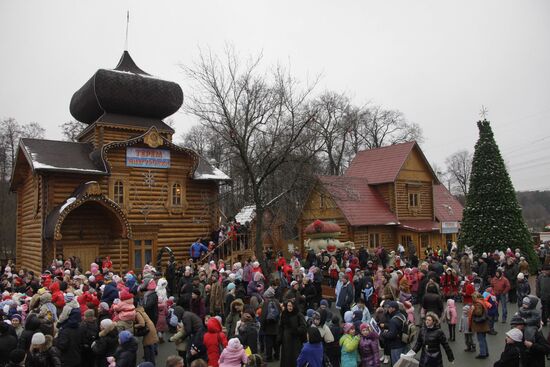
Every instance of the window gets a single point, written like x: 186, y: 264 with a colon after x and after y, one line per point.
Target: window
x: 322, y: 201
x: 142, y: 253
x: 176, y: 194
x: 405, y: 240
x: 118, y: 193
x: 374, y: 239
x: 413, y: 199
x: 425, y: 240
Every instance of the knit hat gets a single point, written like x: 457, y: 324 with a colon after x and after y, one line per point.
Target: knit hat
x: 348, y: 316
x: 269, y: 293
x: 17, y: 356
x: 105, y: 323
x: 484, y: 255
x: 363, y: 326
x: 230, y: 287
x: 347, y: 327
x: 324, y: 302
x: 392, y: 304
x: 515, y: 334
x: 124, y: 336
x: 16, y: 316
x: 69, y: 297
x: 521, y: 276
x: 526, y: 301
x: 104, y: 306
x: 38, y: 339
x: 517, y: 320
x: 124, y: 295
x: 89, y: 313
x: 196, y: 292
x: 309, y: 313
x: 293, y: 283
x: 234, y: 343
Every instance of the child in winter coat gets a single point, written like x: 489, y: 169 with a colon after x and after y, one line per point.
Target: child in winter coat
x: 213, y: 339
x: 451, y: 318
x: 312, y: 352
x: 181, y: 339
x: 523, y: 288
x: 234, y: 355
x: 350, y: 344
x: 124, y: 311
x: 531, y: 316
x: 70, y: 304
x: 368, y: 347
x: 409, y: 308
x: 465, y: 328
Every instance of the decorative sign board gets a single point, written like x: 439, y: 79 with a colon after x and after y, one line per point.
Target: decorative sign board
x: 449, y: 227
x: 147, y: 158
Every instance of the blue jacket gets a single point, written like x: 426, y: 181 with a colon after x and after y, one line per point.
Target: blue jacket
x: 110, y: 293
x: 312, y: 354
x: 197, y: 248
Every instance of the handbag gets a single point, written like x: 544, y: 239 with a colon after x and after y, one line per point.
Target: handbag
x: 141, y: 331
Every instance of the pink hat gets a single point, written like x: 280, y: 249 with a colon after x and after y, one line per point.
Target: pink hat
x: 348, y: 327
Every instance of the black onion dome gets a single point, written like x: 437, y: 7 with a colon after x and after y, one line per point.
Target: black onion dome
x: 125, y: 90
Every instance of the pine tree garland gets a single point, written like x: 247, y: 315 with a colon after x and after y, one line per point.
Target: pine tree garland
x: 492, y: 217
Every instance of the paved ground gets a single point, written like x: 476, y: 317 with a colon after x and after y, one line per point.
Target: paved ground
x: 495, y: 342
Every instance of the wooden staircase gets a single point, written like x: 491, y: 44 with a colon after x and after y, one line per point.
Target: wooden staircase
x: 231, y: 250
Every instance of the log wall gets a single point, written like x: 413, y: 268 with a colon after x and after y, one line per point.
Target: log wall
x: 29, y: 224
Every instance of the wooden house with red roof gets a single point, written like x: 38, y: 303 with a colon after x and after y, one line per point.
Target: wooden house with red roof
x: 387, y: 196
x: 124, y: 189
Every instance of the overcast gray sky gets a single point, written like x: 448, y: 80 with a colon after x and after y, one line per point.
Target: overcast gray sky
x: 437, y: 61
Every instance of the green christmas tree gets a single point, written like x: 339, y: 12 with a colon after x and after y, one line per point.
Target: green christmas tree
x: 492, y: 217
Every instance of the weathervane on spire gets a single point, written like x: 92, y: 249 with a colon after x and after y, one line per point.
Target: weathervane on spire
x: 483, y: 113
x: 127, y: 25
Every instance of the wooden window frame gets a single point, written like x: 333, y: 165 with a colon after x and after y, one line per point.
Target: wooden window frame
x: 376, y: 241
x: 124, y: 179
x: 181, y: 207
x: 414, y: 199
x: 142, y: 237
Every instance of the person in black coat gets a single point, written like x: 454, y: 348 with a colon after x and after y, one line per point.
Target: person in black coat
x: 514, y: 351
x: 126, y: 353
x: 69, y: 340
x: 89, y: 333
x: 8, y: 343
x: 106, y: 344
x: 249, y: 331
x: 432, y: 301
x: 536, y: 351
x: 292, y: 333
x: 430, y: 340
x: 32, y: 324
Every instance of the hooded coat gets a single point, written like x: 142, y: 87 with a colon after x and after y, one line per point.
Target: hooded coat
x: 32, y: 324
x: 479, y: 322
x: 369, y: 350
x: 234, y: 355
x: 312, y: 354
x: 69, y: 340
x: 249, y: 330
x: 142, y: 319
x: 126, y: 354
x: 511, y: 356
x: 451, y: 315
x: 292, y: 332
x: 233, y: 317
x: 213, y: 339
x: 45, y: 356
x: 105, y: 345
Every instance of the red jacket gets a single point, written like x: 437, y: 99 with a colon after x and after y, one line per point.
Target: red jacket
x: 500, y: 285
x: 212, y: 339
x: 58, y: 297
x: 467, y: 292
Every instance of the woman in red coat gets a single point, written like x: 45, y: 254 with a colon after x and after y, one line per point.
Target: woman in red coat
x: 213, y: 339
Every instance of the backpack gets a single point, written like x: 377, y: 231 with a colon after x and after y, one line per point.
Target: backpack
x: 273, y: 312
x: 408, y: 330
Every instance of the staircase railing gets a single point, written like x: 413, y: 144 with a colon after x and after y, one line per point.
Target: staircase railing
x: 228, y: 246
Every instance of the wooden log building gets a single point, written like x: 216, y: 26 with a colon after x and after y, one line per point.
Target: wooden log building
x: 387, y: 196
x: 123, y: 190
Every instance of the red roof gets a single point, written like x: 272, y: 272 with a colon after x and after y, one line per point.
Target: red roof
x: 319, y: 226
x: 421, y: 225
x: 380, y: 165
x: 360, y: 203
x: 447, y: 208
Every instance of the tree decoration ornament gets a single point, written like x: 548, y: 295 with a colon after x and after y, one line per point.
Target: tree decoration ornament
x: 492, y: 218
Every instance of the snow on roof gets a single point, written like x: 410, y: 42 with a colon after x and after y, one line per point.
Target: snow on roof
x: 247, y: 214
x: 206, y: 171
x: 68, y: 202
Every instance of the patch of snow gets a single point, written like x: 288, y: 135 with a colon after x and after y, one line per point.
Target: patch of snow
x: 216, y: 175
x: 131, y: 73
x: 68, y: 202
x: 38, y: 165
x: 247, y: 214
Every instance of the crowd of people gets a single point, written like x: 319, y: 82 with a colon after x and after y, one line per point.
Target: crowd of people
x: 349, y: 308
